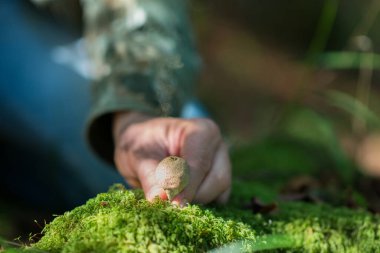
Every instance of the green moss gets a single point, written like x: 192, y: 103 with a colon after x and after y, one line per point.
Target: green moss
x: 325, y: 229
x: 315, y: 228
x: 122, y: 221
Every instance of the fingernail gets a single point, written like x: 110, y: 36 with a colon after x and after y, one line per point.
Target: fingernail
x: 180, y: 203
x: 153, y: 194
x: 176, y: 203
x: 184, y: 203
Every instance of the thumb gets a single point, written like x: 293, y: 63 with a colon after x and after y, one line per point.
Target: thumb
x: 146, y: 174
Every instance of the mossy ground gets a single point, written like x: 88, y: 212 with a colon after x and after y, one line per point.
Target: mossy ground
x: 123, y: 221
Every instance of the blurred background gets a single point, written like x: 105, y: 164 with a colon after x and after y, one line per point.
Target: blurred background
x: 296, y: 81
x: 263, y: 57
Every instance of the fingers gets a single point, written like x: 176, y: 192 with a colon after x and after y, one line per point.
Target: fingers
x: 198, y: 141
x: 199, y: 149
x: 217, y: 183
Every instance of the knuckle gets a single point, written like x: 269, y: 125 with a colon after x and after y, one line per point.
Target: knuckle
x: 199, y: 166
x: 207, y: 126
x: 210, y: 125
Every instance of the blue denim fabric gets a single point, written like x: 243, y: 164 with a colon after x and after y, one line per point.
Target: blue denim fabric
x: 194, y: 109
x: 44, y: 160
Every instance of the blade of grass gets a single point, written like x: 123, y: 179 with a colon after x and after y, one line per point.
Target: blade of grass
x: 9, y: 246
x: 350, y: 105
x: 363, y: 90
x: 316, y: 47
x: 268, y: 242
x: 348, y: 60
x: 322, y: 33
x: 368, y: 20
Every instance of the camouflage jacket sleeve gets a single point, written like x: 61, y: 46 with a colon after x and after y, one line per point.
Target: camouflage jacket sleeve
x: 143, y: 57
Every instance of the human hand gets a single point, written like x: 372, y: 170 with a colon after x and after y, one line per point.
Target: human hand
x: 141, y: 142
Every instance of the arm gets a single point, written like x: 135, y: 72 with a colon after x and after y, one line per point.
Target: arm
x: 146, y: 65
x: 144, y: 60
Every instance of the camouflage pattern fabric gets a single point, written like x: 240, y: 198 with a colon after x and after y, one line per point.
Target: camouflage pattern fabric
x: 143, y: 57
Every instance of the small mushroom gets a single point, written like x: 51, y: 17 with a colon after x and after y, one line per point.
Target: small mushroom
x: 172, y: 174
